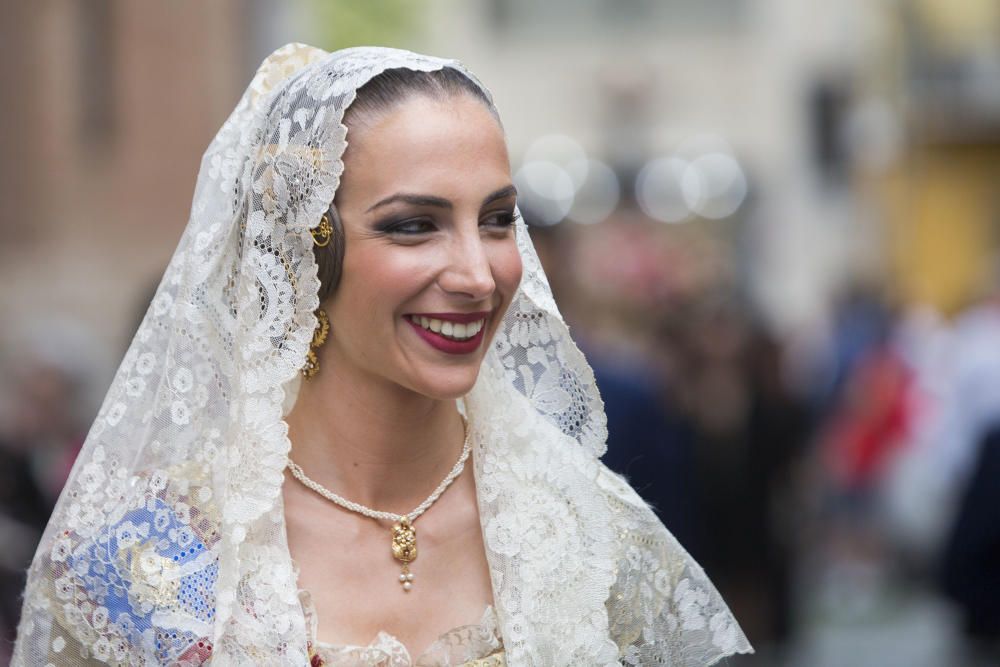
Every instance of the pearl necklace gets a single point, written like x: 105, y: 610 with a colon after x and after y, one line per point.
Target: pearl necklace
x: 404, y: 536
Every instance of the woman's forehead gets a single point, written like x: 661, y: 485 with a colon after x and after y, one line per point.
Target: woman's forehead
x: 424, y: 142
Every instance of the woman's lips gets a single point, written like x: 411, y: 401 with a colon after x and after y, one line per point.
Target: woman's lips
x: 449, y: 345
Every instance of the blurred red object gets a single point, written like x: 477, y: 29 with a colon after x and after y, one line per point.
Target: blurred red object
x: 873, y: 420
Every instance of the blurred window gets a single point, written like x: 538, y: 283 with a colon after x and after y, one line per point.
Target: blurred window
x: 646, y: 15
x: 96, y: 43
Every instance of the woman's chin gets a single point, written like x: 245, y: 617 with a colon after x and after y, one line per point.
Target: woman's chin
x: 447, y: 384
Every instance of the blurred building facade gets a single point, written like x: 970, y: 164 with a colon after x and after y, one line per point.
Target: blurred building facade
x: 109, y: 107
x: 866, y: 131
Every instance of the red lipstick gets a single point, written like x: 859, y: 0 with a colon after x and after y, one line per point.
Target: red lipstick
x: 447, y: 345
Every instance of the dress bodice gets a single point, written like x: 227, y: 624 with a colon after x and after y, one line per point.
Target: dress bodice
x: 474, y: 645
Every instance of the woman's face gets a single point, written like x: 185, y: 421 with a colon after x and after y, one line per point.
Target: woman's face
x: 431, y: 262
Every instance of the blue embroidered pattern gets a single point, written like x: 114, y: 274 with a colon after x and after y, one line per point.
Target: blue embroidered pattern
x: 150, y: 579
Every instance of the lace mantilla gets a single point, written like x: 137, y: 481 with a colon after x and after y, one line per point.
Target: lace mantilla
x: 168, y: 546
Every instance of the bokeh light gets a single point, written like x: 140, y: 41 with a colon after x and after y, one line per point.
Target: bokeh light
x: 545, y: 191
x: 659, y: 189
x: 597, y: 194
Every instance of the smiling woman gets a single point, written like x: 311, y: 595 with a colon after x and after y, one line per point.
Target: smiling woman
x: 431, y: 493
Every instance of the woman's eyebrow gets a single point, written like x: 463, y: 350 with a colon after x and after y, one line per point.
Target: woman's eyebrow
x: 416, y: 200
x: 502, y: 193
x: 430, y: 200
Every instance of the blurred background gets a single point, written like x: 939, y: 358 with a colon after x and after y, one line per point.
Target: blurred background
x: 773, y: 226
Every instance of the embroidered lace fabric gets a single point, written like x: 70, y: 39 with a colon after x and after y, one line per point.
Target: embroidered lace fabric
x: 168, y: 543
x: 474, y: 645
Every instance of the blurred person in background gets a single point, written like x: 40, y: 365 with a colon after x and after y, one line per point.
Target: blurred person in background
x: 41, y: 434
x: 869, y: 424
x: 47, y: 399
x: 24, y: 509
x: 971, y: 561
x: 749, y: 433
x: 968, y: 460
x: 47, y: 425
x: 942, y: 491
x: 863, y: 400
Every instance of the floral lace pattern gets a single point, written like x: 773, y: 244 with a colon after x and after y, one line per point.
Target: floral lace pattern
x: 168, y: 544
x: 464, y: 645
x: 542, y: 362
x: 583, y: 571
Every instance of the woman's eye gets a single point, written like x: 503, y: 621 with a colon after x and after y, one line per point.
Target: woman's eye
x: 409, y: 227
x: 502, y: 219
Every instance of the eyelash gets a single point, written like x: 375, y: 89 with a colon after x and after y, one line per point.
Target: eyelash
x: 508, y: 218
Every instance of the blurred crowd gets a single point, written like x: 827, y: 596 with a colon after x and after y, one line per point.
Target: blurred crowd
x: 840, y: 483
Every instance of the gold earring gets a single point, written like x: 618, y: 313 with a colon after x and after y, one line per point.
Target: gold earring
x: 323, y: 231
x: 319, y: 337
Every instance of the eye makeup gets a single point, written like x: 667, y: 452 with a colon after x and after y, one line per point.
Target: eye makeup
x: 415, y: 226
x: 407, y: 226
x: 503, y: 219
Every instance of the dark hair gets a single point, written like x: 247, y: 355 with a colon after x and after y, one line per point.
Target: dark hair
x: 376, y: 97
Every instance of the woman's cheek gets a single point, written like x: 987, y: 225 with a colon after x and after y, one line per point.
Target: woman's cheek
x: 512, y: 270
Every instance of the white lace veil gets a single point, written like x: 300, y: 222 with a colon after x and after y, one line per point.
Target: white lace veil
x: 168, y: 544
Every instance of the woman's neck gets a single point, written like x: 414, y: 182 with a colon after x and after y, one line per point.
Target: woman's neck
x: 373, y: 442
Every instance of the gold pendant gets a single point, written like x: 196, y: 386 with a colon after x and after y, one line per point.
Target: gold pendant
x: 404, y: 549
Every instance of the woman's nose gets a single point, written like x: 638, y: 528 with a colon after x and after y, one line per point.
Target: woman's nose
x: 469, y: 271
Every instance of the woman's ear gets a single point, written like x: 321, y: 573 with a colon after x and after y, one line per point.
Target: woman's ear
x: 329, y: 251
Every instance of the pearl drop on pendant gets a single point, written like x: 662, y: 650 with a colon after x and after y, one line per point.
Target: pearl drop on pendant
x: 407, y: 586
x: 402, y: 578
x: 409, y: 576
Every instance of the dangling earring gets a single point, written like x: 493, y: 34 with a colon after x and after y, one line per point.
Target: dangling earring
x: 319, y: 337
x: 322, y: 232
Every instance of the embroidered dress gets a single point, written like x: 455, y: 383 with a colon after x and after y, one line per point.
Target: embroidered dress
x: 168, y: 545
x: 474, y: 645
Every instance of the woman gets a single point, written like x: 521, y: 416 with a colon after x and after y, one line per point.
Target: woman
x: 225, y: 508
